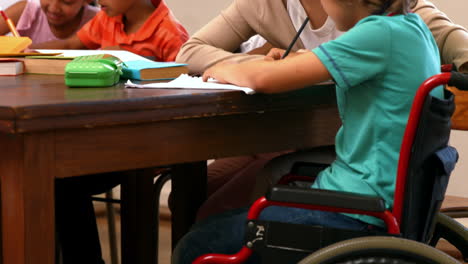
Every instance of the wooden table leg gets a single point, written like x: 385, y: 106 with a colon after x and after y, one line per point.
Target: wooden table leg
x: 27, y: 198
x: 136, y: 217
x: 188, y: 193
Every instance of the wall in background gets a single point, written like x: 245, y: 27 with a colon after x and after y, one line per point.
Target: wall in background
x: 195, y: 14
x: 456, y: 9
x: 6, y: 3
x: 458, y: 184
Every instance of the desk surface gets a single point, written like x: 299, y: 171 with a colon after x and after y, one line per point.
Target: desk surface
x: 36, y: 102
x: 50, y: 131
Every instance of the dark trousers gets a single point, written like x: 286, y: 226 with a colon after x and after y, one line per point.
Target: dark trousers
x: 76, y: 226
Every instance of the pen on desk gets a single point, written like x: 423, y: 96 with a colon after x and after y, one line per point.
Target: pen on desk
x: 306, y: 21
x: 10, y: 23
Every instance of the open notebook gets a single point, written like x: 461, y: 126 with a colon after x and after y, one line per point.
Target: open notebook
x: 185, y: 81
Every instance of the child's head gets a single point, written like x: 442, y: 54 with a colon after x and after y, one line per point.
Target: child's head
x: 121, y: 7
x: 346, y: 13
x: 61, y: 12
x: 116, y: 7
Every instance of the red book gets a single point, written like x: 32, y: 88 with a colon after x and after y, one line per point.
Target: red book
x: 11, y: 67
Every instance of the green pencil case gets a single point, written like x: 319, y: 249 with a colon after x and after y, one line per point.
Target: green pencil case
x: 100, y: 70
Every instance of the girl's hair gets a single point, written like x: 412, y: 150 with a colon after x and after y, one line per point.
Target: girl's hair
x: 378, y: 7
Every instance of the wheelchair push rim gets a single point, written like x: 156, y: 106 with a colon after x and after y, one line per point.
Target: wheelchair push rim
x: 379, y: 250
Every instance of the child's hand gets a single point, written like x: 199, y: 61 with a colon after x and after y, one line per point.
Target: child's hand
x: 112, y: 48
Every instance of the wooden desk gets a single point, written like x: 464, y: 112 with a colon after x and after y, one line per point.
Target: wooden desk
x: 49, y: 131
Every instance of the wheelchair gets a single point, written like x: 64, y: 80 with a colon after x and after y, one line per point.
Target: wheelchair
x: 413, y: 225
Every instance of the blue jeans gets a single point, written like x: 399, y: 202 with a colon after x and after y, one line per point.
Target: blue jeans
x: 224, y: 233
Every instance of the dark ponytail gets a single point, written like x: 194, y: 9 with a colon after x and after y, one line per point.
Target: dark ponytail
x: 379, y: 7
x: 385, y: 6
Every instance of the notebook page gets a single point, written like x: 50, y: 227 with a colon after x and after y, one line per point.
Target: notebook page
x: 184, y: 81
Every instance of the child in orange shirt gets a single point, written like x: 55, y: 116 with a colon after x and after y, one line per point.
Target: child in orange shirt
x: 144, y: 27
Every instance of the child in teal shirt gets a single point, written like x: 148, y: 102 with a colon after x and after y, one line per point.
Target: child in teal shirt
x: 376, y: 79
x: 377, y: 67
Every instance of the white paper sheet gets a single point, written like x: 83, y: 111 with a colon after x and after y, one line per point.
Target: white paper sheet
x: 185, y: 81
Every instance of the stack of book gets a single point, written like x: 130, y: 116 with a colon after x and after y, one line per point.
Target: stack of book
x: 11, y: 67
x: 54, y: 62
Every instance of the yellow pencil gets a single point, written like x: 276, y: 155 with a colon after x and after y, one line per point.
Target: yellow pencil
x: 10, y: 23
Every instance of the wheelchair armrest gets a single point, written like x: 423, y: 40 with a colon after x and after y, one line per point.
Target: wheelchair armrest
x: 307, y: 168
x: 289, y: 194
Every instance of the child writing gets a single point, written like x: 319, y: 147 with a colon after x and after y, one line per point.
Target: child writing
x: 233, y: 181
x: 144, y: 27
x: 377, y: 67
x: 46, y: 20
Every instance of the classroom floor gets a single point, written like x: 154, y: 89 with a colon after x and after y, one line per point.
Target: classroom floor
x: 164, y: 234
x: 165, y: 238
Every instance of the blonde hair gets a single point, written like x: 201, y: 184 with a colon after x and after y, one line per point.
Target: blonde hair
x: 379, y: 7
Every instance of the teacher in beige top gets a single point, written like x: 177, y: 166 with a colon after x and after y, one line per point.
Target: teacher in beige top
x: 232, y: 181
x: 243, y: 19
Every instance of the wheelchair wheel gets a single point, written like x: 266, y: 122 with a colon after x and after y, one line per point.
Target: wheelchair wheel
x: 378, y: 250
x: 454, y: 232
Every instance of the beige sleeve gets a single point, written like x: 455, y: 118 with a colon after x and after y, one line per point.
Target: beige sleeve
x: 217, y: 40
x: 452, y: 39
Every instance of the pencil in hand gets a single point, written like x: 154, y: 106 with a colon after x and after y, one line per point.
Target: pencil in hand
x: 306, y: 21
x: 10, y: 23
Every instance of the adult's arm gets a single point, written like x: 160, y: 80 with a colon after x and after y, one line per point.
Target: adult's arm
x: 220, y: 38
x: 217, y: 41
x: 452, y: 39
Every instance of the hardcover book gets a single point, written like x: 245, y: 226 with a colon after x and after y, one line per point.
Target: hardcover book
x: 152, y: 70
x: 46, y: 64
x: 11, y: 67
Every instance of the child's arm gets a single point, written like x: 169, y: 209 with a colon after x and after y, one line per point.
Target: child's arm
x: 277, y: 54
x: 72, y: 42
x: 272, y: 76
x: 14, y: 13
